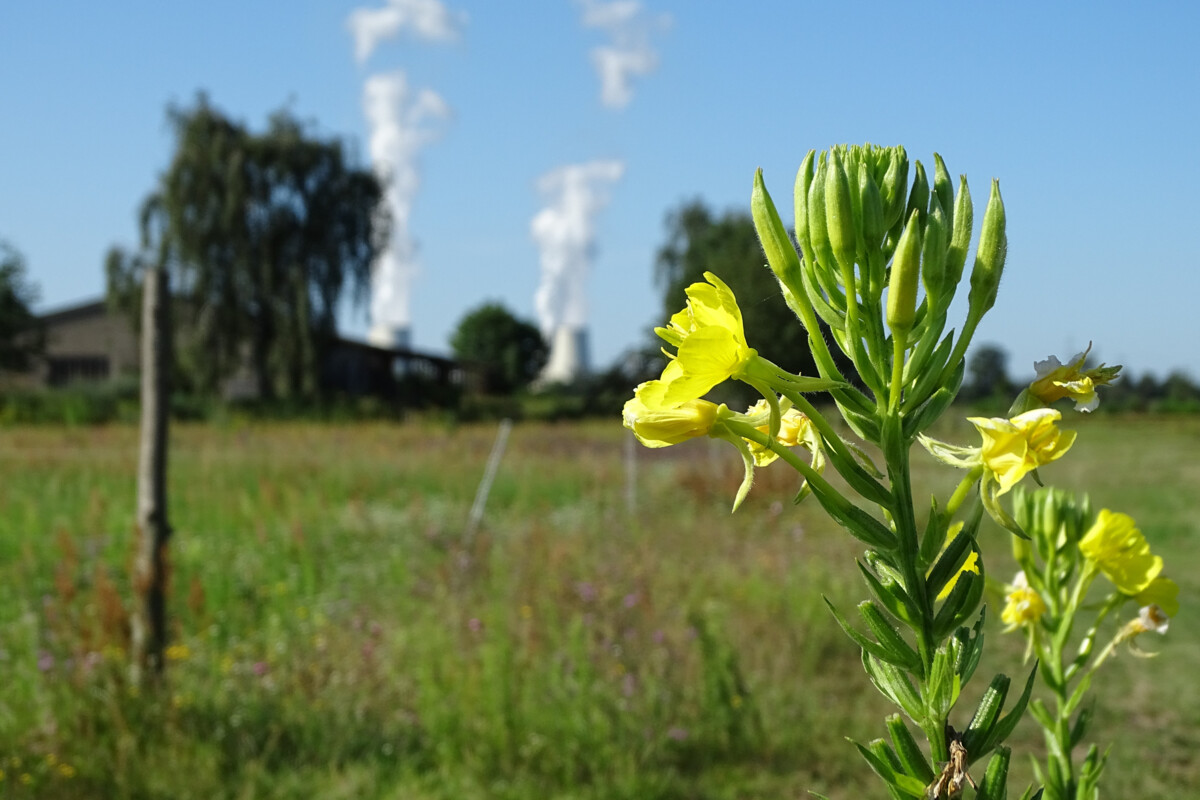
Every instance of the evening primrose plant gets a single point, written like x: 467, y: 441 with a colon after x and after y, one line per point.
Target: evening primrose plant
x: 883, y: 252
x: 1071, y: 552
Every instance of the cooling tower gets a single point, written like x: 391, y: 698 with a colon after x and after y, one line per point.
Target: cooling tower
x: 568, y: 356
x: 389, y: 337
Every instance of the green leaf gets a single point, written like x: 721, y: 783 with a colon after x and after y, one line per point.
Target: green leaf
x: 893, y: 597
x: 987, y: 714
x: 859, y: 478
x: 948, y: 564
x: 1040, y: 713
x: 1077, y: 696
x: 1004, y: 727
x: 941, y: 690
x: 895, y: 686
x: 960, y: 604
x: 994, y: 785
x: 970, y: 647
x: 878, y: 756
x: 857, y: 522
x: 874, y: 648
x: 897, y: 650
x: 911, y: 756
x: 928, y: 412
x: 935, y: 534
x: 1082, y: 722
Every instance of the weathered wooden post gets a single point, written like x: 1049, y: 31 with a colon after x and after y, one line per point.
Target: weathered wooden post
x: 149, y: 620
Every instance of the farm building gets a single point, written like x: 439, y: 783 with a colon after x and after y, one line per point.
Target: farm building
x: 89, y: 342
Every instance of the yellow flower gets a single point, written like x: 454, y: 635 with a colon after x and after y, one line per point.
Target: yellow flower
x: 1121, y: 552
x: 657, y: 424
x: 1162, y: 592
x: 710, y: 341
x: 1024, y: 606
x: 177, y: 652
x: 1012, y: 448
x: 794, y: 429
x: 66, y: 771
x: 1056, y: 380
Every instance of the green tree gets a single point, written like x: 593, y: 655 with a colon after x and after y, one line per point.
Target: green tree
x: 511, y: 349
x: 988, y: 370
x: 21, y: 334
x: 699, y: 241
x: 263, y: 234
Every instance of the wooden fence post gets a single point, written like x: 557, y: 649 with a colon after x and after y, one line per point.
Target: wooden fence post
x: 149, y: 620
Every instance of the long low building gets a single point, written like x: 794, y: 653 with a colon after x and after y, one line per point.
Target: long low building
x: 88, y: 342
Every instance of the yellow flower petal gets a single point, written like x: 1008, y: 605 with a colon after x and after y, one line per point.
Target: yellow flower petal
x: 1162, y: 592
x: 1012, y: 448
x: 710, y: 338
x: 1121, y: 552
x: 1056, y: 380
x: 658, y: 424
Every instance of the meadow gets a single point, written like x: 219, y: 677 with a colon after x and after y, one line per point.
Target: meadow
x: 607, y: 634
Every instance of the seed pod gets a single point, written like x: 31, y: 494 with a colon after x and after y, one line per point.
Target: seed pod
x: 906, y: 273
x: 989, y: 256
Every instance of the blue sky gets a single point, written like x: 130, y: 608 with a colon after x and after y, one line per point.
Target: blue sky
x: 1087, y: 113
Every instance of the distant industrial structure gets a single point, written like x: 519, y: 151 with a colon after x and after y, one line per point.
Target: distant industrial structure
x: 569, y: 358
x: 88, y: 342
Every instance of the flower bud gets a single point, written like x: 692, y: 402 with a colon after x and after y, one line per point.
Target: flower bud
x: 989, y: 256
x: 894, y: 187
x: 906, y: 272
x: 943, y: 190
x: 818, y: 232
x: 781, y: 255
x: 918, y: 196
x: 804, y: 179
x: 839, y: 212
x: 933, y: 255
x: 872, y: 208
x: 960, y: 237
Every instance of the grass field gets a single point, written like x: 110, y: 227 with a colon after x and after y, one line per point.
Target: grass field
x: 336, y: 637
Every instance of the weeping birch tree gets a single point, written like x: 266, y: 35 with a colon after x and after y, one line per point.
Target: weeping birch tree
x: 263, y: 234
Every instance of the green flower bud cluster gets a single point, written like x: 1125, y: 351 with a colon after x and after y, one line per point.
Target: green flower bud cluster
x: 1055, y: 520
x: 867, y: 221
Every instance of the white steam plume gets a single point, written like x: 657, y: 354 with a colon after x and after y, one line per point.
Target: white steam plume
x: 402, y: 122
x: 428, y: 20
x: 565, y: 234
x: 629, y: 55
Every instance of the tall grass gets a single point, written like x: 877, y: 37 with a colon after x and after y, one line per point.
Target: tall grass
x: 333, y: 638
